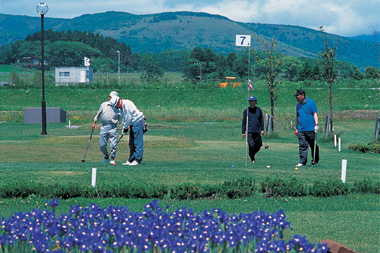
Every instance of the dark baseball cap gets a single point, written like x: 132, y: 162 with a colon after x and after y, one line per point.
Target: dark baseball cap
x: 299, y: 92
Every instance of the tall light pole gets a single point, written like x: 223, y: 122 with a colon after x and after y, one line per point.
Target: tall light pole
x: 42, y: 9
x: 118, y: 67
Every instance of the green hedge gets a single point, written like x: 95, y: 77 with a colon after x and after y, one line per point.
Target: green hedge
x: 239, y: 188
x: 373, y: 147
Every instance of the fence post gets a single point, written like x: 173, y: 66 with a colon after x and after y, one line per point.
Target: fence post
x: 270, y: 123
x: 377, y: 126
x: 327, y: 125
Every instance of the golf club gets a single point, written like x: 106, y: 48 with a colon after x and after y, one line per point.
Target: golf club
x: 88, y: 145
x: 315, y: 146
x: 116, y: 143
x: 266, y: 146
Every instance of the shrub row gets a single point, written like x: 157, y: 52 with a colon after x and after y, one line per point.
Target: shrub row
x: 240, y: 188
x: 373, y: 147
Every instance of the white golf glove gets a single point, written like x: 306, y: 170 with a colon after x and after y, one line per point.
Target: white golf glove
x: 316, y: 128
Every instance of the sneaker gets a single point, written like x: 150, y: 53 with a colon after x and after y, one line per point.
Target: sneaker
x: 106, y: 160
x: 299, y: 165
x: 113, y: 162
x: 253, y: 161
x: 133, y: 163
x: 126, y: 163
x: 314, y: 164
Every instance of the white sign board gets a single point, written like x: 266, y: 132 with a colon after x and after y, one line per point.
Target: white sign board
x: 243, y: 40
x: 86, y: 62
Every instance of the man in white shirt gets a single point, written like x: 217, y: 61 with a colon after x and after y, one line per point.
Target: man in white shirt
x: 134, y: 121
x: 110, y: 118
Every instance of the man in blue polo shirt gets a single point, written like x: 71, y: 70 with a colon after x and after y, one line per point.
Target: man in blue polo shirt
x: 306, y: 127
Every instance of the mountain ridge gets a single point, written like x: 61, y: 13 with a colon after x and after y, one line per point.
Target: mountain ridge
x: 186, y: 30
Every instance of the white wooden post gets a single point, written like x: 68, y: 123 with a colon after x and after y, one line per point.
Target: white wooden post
x: 344, y: 170
x: 93, y: 180
x: 339, y: 145
x: 334, y: 140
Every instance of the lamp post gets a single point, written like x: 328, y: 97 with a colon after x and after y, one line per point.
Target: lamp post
x: 42, y: 9
x: 118, y: 67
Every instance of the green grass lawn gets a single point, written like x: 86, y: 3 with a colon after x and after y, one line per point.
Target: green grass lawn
x: 195, y: 137
x: 205, y: 153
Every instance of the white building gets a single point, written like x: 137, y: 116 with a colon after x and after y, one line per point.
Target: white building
x: 73, y: 75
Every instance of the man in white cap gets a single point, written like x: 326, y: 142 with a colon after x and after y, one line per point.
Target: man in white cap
x: 110, y: 118
x: 134, y: 121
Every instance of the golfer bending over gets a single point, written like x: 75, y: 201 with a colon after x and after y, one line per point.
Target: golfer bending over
x: 134, y: 121
x: 255, y: 127
x: 110, y: 118
x: 306, y: 127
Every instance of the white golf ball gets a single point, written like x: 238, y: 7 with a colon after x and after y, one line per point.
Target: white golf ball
x: 268, y: 166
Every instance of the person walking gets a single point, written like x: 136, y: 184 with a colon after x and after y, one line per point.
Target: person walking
x: 306, y: 128
x: 255, y: 127
x: 108, y: 131
x: 135, y: 122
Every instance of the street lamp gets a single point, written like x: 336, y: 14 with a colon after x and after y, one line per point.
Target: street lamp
x: 118, y: 67
x: 42, y: 9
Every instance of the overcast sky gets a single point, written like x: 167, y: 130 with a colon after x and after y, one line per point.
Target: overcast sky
x: 341, y: 17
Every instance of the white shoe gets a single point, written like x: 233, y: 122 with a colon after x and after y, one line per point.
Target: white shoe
x: 133, y: 163
x: 113, y: 162
x: 126, y: 163
x: 299, y: 165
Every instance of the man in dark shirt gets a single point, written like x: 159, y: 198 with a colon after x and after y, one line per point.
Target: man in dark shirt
x: 255, y: 125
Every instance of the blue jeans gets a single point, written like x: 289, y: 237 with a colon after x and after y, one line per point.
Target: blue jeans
x: 108, y: 131
x: 136, y: 142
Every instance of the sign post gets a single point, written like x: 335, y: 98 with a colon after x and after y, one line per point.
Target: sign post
x: 245, y: 41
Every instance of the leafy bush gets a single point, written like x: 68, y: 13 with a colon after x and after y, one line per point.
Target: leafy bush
x: 373, y: 147
x: 367, y: 186
x: 239, y: 188
x: 278, y: 187
x: 330, y: 188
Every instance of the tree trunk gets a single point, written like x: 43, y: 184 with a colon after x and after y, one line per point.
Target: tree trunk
x: 272, y: 107
x: 331, y: 110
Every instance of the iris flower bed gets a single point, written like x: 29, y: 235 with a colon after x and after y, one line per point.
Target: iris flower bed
x: 118, y: 229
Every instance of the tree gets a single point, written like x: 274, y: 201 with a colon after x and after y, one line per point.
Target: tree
x: 328, y: 68
x: 306, y: 73
x: 372, y: 73
x: 316, y: 73
x: 290, y: 67
x: 271, y: 64
x: 151, y: 69
x: 239, y: 67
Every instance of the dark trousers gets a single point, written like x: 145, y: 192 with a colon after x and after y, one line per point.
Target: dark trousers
x: 254, y: 143
x: 306, y: 139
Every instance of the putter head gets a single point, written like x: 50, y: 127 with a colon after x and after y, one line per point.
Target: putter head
x: 82, y: 160
x: 266, y: 146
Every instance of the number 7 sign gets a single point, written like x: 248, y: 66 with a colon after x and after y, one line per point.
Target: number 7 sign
x: 243, y: 40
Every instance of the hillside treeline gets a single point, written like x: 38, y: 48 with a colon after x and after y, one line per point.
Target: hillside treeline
x: 67, y: 48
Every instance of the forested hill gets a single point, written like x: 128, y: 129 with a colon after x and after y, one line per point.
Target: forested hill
x: 186, y: 30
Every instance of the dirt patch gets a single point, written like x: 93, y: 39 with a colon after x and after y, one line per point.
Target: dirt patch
x: 67, y: 173
x: 358, y: 114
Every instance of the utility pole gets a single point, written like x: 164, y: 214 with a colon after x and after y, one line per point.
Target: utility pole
x: 118, y: 67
